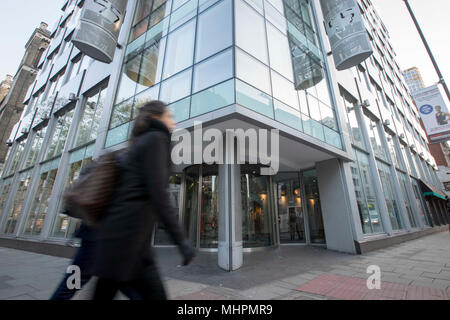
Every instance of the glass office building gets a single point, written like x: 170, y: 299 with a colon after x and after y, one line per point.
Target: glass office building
x: 349, y: 169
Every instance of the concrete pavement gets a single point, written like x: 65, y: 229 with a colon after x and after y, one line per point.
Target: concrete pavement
x: 418, y: 269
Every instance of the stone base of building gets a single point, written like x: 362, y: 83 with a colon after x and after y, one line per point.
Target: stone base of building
x: 65, y: 250
x: 386, y: 241
x: 62, y: 250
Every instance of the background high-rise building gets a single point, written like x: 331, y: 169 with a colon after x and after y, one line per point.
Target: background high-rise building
x: 354, y: 160
x: 413, y: 79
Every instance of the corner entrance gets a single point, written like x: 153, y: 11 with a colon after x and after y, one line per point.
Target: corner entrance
x: 276, y: 210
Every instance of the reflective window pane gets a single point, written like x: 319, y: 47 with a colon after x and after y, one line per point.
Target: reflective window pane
x: 151, y: 65
x: 176, y: 87
x: 284, y: 90
x: 35, y: 219
x: 252, y: 34
x: 180, y: 49
x: 14, y: 212
x: 388, y: 190
x: 254, y: 99
x: 129, y: 79
x: 117, y: 135
x: 365, y: 194
x: 217, y: 69
x: 287, y: 115
x: 279, y: 52
x: 252, y: 71
x: 180, y: 109
x: 214, y: 30
x: 213, y: 98
x: 121, y: 113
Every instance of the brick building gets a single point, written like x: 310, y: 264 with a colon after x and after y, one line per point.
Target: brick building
x: 11, y: 105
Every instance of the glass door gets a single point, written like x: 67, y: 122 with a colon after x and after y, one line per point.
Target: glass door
x: 313, y: 207
x: 190, y: 208
x: 209, y: 208
x: 291, y: 219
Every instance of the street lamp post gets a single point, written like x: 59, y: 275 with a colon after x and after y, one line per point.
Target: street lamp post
x: 433, y: 60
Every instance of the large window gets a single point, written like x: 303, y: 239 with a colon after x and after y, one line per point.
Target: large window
x: 280, y: 59
x: 365, y: 195
x: 17, y: 157
x: 90, y: 120
x: 214, y: 31
x: 251, y: 35
x: 179, y: 41
x: 408, y: 202
x: 252, y: 71
x: 389, y: 195
x: 35, y: 148
x: 212, y: 71
x: 4, y: 195
x: 176, y: 87
x: 59, y: 135
x: 374, y: 138
x: 65, y: 226
x: 16, y: 209
x: 36, y: 217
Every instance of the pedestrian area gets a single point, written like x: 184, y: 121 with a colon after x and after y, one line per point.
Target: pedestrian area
x: 418, y: 269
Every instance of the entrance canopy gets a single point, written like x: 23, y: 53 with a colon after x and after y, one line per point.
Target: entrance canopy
x: 429, y: 190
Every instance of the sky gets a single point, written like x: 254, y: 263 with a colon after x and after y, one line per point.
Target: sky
x: 18, y: 18
x: 433, y: 17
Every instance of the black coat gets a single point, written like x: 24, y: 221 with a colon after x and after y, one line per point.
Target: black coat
x: 141, y: 197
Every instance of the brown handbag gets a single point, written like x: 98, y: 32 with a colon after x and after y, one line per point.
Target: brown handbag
x: 89, y: 196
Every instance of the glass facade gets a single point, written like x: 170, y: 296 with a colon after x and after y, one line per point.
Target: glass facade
x: 204, y: 78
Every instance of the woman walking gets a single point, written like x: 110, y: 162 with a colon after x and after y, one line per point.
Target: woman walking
x: 123, y: 253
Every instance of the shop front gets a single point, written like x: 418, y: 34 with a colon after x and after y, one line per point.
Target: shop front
x: 283, y: 209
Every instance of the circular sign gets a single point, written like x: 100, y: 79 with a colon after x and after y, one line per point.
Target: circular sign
x: 426, y: 109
